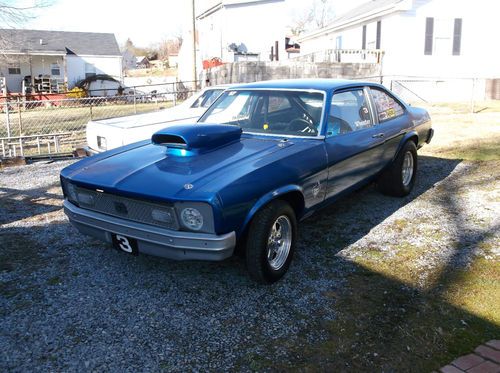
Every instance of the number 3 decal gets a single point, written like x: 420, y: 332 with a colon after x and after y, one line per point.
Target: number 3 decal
x: 123, y: 243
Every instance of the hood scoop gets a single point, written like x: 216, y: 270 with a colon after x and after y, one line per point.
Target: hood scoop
x: 191, y: 139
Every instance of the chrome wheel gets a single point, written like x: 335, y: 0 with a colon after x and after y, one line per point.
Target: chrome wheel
x: 407, y: 169
x: 279, y: 242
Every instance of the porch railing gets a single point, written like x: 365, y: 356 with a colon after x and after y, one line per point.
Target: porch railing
x: 343, y: 55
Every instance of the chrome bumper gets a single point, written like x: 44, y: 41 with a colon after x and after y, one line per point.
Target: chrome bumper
x: 152, y: 240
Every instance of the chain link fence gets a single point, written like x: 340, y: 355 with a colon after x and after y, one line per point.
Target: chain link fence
x: 438, y: 90
x: 57, y: 124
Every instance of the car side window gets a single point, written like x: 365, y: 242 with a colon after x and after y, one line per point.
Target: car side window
x: 348, y: 113
x: 386, y: 106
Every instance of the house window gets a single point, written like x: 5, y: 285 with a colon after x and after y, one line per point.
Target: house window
x: 338, y: 42
x: 443, y: 36
x: 89, y: 70
x: 55, y: 69
x: 14, y: 69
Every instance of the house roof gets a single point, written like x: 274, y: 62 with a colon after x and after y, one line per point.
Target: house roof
x: 211, y: 6
x: 361, y: 13
x: 58, y: 42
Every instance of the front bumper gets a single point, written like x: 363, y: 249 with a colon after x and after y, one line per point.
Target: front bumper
x: 152, y: 240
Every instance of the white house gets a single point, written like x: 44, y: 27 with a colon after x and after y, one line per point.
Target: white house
x: 56, y: 59
x: 235, y: 30
x: 444, y: 39
x: 129, y: 61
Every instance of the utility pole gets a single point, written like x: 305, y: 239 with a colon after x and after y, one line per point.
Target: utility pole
x: 193, y: 16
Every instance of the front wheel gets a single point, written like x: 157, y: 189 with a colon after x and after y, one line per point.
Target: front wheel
x: 399, y: 178
x: 271, y: 242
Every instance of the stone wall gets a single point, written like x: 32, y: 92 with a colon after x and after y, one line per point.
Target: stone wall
x: 247, y: 72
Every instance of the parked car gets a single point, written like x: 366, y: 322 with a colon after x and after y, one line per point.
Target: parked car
x: 106, y: 134
x: 263, y: 157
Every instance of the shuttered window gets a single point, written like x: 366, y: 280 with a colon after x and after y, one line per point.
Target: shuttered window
x: 429, y: 31
x: 457, y: 36
x: 363, y: 38
x: 379, y: 33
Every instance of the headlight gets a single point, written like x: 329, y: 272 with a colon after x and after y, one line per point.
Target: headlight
x: 192, y: 218
x: 195, y: 216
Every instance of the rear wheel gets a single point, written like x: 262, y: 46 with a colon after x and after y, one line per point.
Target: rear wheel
x: 271, y: 242
x: 399, y: 178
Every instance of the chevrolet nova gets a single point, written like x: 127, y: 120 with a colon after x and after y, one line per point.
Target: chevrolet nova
x: 263, y: 157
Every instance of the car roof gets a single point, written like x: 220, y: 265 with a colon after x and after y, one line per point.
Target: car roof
x: 306, y: 84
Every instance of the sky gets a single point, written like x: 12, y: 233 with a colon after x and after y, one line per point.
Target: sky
x: 145, y: 22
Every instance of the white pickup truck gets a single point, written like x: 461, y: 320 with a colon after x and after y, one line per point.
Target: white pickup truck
x: 111, y: 133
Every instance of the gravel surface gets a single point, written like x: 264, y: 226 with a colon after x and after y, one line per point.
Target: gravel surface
x: 70, y: 303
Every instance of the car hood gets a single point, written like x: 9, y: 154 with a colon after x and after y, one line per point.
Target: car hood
x: 158, y: 117
x: 150, y: 171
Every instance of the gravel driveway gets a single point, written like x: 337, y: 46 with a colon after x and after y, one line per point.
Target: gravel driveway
x: 69, y: 303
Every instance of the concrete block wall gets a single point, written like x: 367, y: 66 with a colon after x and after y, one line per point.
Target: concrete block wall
x: 248, y: 72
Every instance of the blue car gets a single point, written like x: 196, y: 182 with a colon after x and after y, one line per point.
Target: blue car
x: 263, y: 157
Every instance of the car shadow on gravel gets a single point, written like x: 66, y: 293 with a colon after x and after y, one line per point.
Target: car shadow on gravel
x: 18, y: 204
x: 383, y: 324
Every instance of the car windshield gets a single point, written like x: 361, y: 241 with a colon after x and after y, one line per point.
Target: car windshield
x: 273, y: 112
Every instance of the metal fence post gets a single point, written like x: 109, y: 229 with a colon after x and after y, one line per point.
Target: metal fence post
x: 472, y: 96
x: 135, y: 102
x: 174, y: 86
x: 7, y: 117
x: 90, y: 106
x: 19, y: 116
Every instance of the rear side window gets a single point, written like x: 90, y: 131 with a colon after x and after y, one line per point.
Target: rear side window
x: 386, y: 106
x: 348, y: 113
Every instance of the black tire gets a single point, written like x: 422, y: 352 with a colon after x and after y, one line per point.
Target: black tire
x: 259, y: 266
x: 392, y: 182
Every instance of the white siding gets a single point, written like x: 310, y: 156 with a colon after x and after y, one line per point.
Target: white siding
x: 257, y: 25
x: 111, y: 65
x: 41, y: 65
x: 403, y: 38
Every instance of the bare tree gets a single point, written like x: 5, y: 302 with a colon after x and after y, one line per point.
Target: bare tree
x: 11, y: 17
x: 317, y: 15
x: 168, y: 47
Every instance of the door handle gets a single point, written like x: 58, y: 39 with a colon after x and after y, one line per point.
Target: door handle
x: 378, y: 136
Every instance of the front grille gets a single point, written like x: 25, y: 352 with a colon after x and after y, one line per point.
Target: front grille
x: 127, y: 208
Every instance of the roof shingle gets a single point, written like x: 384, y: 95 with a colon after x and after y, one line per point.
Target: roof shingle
x: 80, y: 43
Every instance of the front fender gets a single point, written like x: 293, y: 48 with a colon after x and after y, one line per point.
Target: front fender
x: 268, y: 197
